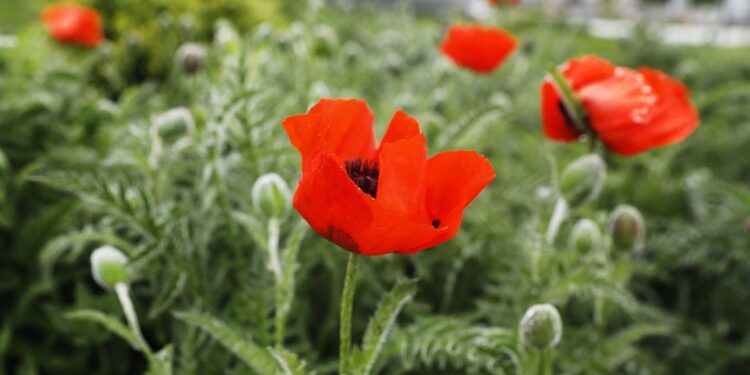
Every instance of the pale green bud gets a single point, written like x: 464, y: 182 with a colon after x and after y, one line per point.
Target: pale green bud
x: 582, y: 180
x: 191, y: 57
x: 174, y: 124
x: 109, y: 267
x: 585, y: 236
x: 541, y: 327
x: 627, y: 228
x: 271, y: 196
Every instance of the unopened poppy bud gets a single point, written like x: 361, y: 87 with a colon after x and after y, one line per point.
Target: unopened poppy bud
x: 585, y: 236
x: 174, y: 124
x: 109, y: 267
x: 583, y: 179
x: 541, y: 327
x: 626, y: 227
x: 271, y: 196
x: 191, y: 57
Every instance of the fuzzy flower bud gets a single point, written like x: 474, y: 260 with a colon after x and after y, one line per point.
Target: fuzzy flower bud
x: 583, y: 179
x: 174, y: 124
x: 585, y: 236
x: 109, y: 267
x: 541, y: 327
x: 271, y: 196
x: 626, y: 227
x: 191, y: 57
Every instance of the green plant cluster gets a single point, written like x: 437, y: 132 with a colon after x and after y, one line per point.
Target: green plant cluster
x: 84, y: 171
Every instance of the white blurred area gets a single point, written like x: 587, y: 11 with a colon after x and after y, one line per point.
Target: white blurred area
x: 698, y: 11
x: 681, y: 22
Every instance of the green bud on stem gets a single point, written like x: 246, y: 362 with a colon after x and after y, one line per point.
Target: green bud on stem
x: 585, y: 236
x: 583, y: 179
x: 271, y: 196
x: 109, y: 267
x: 541, y: 327
x: 627, y: 228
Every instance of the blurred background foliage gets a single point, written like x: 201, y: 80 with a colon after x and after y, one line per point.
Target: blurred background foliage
x: 85, y: 161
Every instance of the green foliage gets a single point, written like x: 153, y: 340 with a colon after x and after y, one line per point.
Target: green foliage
x: 87, y: 168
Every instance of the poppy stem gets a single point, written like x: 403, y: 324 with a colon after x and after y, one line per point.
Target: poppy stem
x: 347, y: 297
x: 274, y: 264
x: 545, y: 362
x: 123, y: 294
x: 558, y: 216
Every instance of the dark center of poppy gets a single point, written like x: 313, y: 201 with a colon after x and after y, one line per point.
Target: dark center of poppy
x: 436, y: 224
x: 364, y: 174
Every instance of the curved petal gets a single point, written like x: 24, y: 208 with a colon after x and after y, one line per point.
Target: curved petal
x: 72, y: 23
x: 401, y: 186
x: 556, y: 126
x: 332, y: 204
x: 481, y: 49
x: 454, y: 179
x: 586, y: 70
x: 337, y: 126
x: 393, y: 232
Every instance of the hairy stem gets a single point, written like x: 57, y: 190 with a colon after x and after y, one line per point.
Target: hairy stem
x: 347, y: 296
x: 274, y: 264
x: 123, y: 294
x: 558, y: 216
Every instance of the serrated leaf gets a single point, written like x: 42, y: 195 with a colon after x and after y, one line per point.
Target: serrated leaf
x: 258, y: 358
x: 109, y: 322
x: 289, y: 362
x: 382, y: 323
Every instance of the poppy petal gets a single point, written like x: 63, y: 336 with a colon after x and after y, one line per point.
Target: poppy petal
x: 481, y: 49
x: 555, y: 125
x: 587, y: 70
x: 402, y: 158
x: 454, y: 179
x: 332, y: 204
x: 337, y: 126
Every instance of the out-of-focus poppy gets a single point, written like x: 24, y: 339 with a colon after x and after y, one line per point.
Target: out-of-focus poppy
x: 629, y: 111
x: 379, y: 200
x: 479, y: 48
x: 73, y: 24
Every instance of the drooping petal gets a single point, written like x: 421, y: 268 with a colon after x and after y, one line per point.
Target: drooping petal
x: 481, y: 49
x: 556, y: 126
x: 454, y: 179
x: 343, y: 127
x: 394, y: 232
x: 587, y: 70
x: 332, y: 204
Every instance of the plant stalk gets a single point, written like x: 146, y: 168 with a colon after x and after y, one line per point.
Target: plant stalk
x: 347, y: 297
x: 123, y: 294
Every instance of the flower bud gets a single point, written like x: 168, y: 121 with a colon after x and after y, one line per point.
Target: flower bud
x: 109, y: 267
x: 583, y: 179
x: 541, y: 327
x: 191, y: 57
x: 585, y: 236
x: 271, y: 196
x: 174, y: 124
x: 626, y: 227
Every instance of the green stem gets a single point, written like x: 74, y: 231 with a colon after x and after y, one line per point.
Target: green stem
x: 123, y: 294
x: 347, y: 296
x: 545, y: 362
x: 274, y: 264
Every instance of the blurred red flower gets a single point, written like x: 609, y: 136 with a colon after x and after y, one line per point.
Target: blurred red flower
x: 379, y: 200
x: 629, y: 111
x: 73, y: 24
x: 479, y: 48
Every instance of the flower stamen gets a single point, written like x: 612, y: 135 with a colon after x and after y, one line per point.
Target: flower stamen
x: 364, y: 174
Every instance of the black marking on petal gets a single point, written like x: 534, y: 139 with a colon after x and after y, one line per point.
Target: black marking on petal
x: 436, y: 224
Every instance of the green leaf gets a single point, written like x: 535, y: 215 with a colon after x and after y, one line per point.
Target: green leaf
x: 161, y: 363
x: 381, y: 324
x: 289, y: 362
x: 258, y: 358
x: 109, y: 322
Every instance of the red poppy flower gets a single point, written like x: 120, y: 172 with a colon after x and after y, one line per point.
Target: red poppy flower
x: 73, y: 24
x: 379, y: 200
x: 479, y: 48
x: 629, y: 111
